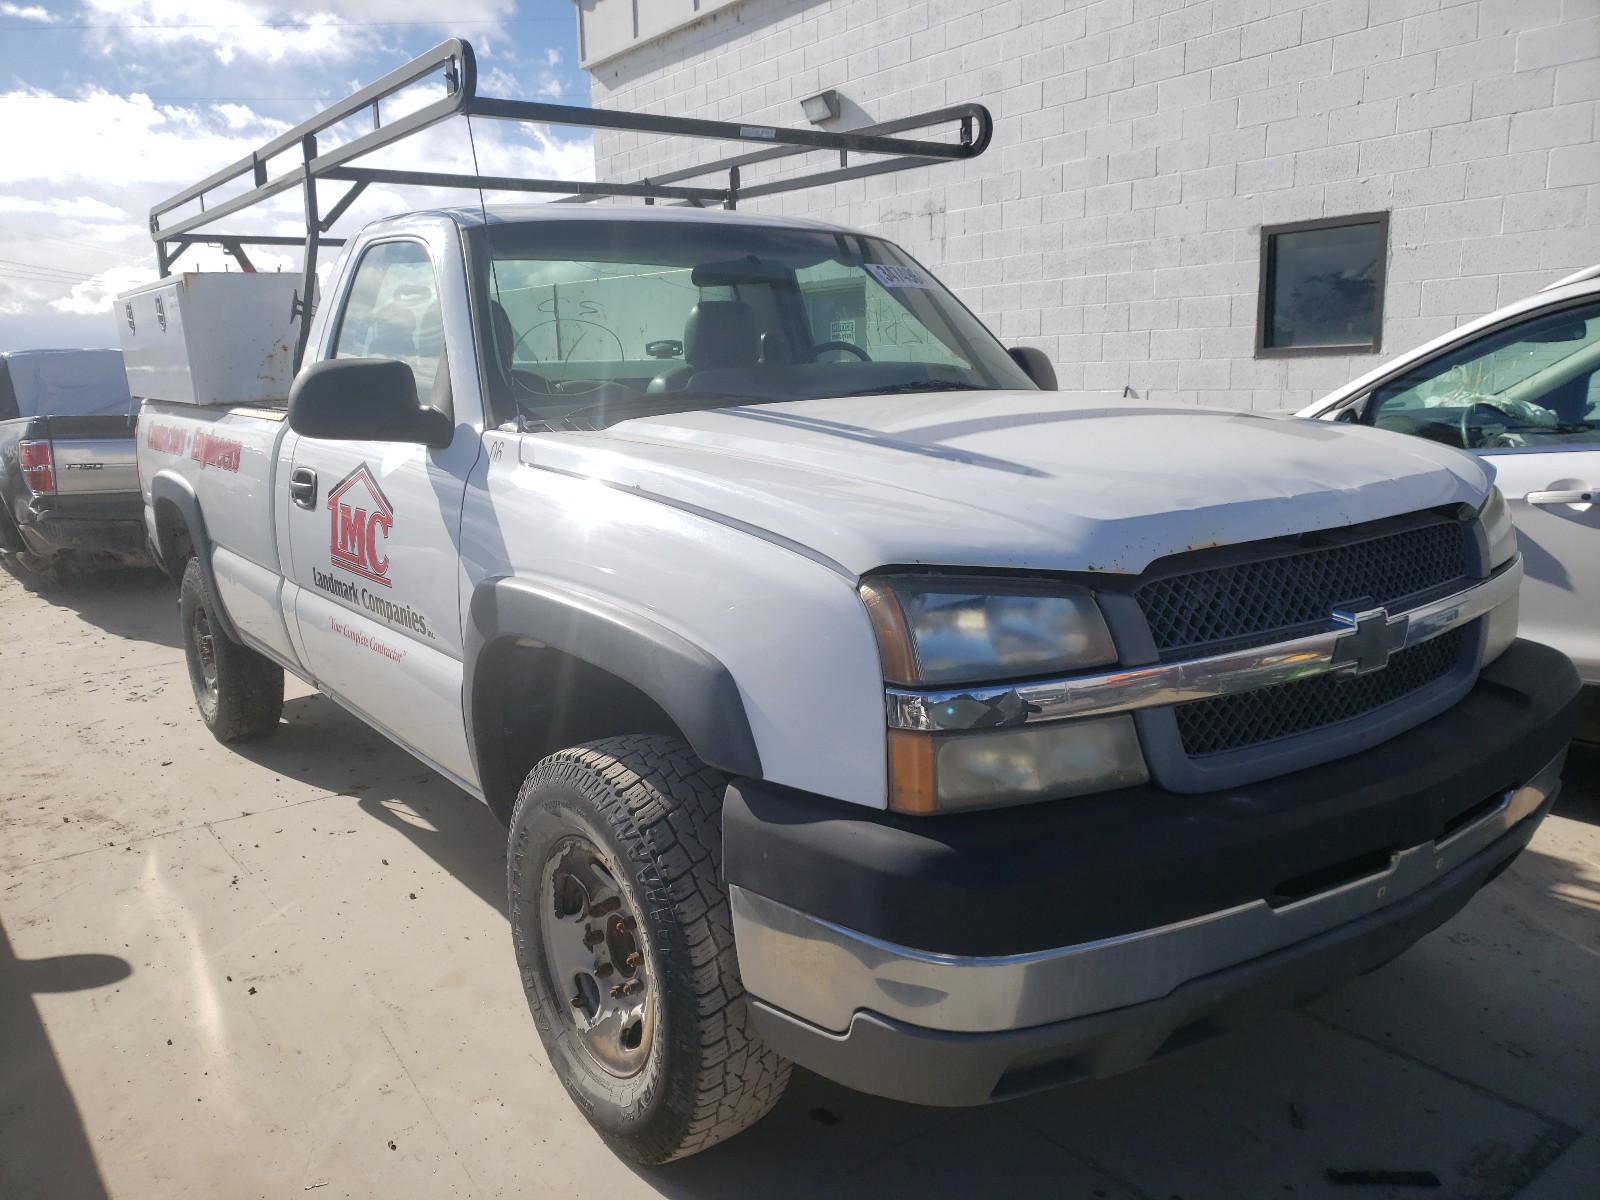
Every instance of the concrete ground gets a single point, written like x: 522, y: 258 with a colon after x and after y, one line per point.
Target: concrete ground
x: 285, y: 970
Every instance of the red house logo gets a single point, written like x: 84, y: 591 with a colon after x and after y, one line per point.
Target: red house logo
x: 360, y: 519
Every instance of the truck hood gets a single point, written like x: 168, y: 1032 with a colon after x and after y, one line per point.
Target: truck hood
x: 1012, y: 480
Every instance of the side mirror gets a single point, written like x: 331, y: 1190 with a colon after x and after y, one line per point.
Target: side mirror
x: 364, y: 400
x: 1036, y: 366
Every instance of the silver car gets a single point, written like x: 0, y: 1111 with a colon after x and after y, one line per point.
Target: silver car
x: 1519, y: 388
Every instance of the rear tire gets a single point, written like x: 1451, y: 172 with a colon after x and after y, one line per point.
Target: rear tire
x: 624, y: 939
x: 52, y: 570
x: 239, y: 693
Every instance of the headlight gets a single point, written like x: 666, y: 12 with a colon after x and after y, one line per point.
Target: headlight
x: 1496, y: 517
x: 948, y: 631
x: 951, y: 631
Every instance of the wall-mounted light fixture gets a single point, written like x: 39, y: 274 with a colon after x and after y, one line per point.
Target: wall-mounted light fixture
x: 822, y: 107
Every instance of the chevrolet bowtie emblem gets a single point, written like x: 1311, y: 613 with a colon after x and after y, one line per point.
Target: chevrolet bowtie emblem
x: 1373, y: 637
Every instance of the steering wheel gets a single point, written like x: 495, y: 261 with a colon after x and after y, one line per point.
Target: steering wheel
x: 849, y: 347
x: 532, y: 383
x: 1472, y: 431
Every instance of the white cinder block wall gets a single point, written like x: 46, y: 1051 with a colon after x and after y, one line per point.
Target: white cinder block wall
x: 1140, y: 145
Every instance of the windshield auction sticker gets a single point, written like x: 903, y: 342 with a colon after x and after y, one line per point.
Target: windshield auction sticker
x: 898, y: 277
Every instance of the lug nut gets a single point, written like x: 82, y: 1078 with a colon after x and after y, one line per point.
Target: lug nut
x: 576, y: 1002
x: 603, y: 971
x: 617, y: 991
x: 632, y: 986
x: 635, y: 959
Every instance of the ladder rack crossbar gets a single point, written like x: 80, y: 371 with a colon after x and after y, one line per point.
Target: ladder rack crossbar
x: 453, y: 58
x: 518, y: 183
x: 453, y: 64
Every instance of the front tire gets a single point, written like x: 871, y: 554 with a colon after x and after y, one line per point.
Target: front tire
x: 239, y: 693
x: 624, y: 940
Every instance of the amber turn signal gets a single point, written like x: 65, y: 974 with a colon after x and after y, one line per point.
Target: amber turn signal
x: 911, y: 783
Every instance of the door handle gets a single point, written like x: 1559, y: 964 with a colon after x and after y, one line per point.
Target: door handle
x: 303, y: 487
x: 1583, y: 497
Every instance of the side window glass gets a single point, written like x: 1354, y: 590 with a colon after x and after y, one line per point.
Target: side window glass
x: 393, y: 312
x: 1532, y: 385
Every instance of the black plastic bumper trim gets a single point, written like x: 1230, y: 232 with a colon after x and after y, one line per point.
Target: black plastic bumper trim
x: 890, y: 1058
x: 1036, y: 877
x: 52, y: 532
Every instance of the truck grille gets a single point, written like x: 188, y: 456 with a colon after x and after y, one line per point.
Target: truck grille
x: 1270, y: 593
x: 1273, y: 599
x: 1226, y: 723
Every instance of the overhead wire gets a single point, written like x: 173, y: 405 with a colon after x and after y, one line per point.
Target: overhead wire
x: 37, y: 268
x: 144, y: 25
x: 24, y: 277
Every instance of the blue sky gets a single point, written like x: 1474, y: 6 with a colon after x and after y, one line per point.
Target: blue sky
x: 108, y: 106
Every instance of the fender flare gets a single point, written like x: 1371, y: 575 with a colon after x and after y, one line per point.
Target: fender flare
x: 689, y: 684
x: 177, y: 492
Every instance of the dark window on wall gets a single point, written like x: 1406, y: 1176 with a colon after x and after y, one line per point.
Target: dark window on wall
x: 1322, y: 286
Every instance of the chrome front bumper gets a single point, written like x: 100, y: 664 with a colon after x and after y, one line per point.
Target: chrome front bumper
x: 824, y: 975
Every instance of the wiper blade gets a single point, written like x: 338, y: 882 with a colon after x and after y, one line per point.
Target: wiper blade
x: 920, y: 385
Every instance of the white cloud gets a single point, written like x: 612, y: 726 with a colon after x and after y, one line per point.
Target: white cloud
x: 238, y: 116
x: 228, y: 28
x: 82, y: 208
x: 30, y: 12
x: 83, y: 171
x: 539, y: 83
x: 74, y: 201
x: 95, y: 295
x: 275, y: 31
x: 107, y: 139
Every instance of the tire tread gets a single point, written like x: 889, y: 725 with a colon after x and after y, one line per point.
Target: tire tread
x: 656, y: 786
x: 249, y: 685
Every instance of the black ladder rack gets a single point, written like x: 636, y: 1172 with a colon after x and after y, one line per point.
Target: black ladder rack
x: 454, y: 63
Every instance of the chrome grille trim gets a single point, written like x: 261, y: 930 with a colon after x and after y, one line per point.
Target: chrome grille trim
x: 1245, y: 720
x: 1269, y: 597
x: 1177, y: 682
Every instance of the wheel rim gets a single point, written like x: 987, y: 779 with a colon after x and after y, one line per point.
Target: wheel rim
x: 595, y: 957
x: 205, y: 651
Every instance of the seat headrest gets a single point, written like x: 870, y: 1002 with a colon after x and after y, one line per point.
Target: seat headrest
x: 721, y: 333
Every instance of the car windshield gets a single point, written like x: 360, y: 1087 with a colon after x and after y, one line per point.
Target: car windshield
x: 1535, y: 384
x: 591, y: 322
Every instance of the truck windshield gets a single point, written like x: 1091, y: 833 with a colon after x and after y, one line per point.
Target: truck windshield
x: 590, y: 322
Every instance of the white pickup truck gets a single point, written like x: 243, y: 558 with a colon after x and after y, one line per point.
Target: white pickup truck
x: 853, y: 700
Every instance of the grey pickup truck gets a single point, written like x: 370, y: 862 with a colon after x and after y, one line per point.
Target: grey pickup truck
x: 69, y: 489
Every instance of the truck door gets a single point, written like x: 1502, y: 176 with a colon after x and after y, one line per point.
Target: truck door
x: 373, y: 527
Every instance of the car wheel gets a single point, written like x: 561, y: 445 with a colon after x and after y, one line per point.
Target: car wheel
x: 239, y: 693
x: 624, y: 940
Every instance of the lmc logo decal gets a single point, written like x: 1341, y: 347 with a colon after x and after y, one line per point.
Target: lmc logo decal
x: 360, y: 517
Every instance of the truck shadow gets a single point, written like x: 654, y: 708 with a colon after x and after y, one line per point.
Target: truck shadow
x: 45, y: 1151
x: 135, y: 603
x: 1355, y: 1061
x: 1580, y: 784
x: 328, y: 748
